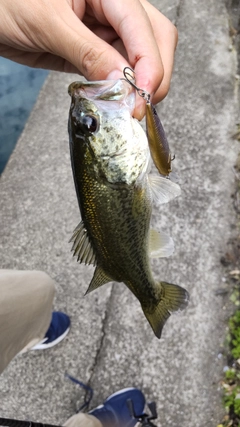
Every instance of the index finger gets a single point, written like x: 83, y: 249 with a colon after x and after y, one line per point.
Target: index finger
x: 132, y: 24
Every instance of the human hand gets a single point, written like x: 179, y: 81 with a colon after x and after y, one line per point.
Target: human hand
x: 96, y: 38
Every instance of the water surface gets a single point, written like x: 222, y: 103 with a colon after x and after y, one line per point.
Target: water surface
x: 19, y: 88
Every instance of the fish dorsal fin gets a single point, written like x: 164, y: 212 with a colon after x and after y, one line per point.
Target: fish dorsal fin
x: 163, y: 190
x: 99, y: 279
x: 160, y: 244
x: 81, y: 245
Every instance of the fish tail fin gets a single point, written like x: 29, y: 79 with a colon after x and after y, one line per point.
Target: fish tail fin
x: 173, y: 298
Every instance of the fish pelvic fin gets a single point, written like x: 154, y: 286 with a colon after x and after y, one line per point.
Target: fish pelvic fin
x: 163, y: 189
x: 160, y: 244
x: 82, y: 247
x: 99, y: 279
x: 173, y: 298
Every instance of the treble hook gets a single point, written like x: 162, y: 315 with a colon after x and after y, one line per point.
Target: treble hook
x: 141, y: 92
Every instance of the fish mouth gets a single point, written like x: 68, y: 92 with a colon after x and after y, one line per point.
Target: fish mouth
x: 105, y: 90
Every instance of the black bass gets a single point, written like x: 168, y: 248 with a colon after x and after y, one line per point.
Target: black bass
x: 111, y: 163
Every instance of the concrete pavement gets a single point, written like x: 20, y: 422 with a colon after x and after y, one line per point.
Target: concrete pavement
x: 110, y: 345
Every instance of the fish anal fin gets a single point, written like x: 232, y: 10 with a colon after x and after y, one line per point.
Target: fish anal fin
x: 160, y: 244
x: 163, y: 189
x: 99, y: 279
x: 173, y: 298
x: 82, y: 247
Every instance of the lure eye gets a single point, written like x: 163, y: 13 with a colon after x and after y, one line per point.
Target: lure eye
x: 86, y: 124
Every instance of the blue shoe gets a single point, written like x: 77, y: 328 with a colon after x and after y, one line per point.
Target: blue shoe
x: 115, y: 412
x: 58, y: 329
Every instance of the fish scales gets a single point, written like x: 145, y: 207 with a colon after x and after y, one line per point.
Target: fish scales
x: 110, y: 161
x: 116, y: 232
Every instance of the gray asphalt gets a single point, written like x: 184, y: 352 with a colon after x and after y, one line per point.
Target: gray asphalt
x: 110, y: 344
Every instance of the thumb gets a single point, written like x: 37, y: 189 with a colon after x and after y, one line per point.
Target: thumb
x: 97, y: 60
x: 93, y: 57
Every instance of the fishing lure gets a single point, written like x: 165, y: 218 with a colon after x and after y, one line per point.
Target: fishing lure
x: 157, y: 139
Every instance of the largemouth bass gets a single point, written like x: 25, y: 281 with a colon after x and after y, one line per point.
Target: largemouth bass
x: 111, y: 163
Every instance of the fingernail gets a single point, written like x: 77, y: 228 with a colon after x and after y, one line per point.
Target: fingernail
x: 114, y: 75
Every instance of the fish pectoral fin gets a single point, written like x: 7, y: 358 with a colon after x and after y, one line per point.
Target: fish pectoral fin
x: 160, y: 244
x: 82, y: 247
x: 173, y: 298
x: 99, y: 279
x: 163, y: 190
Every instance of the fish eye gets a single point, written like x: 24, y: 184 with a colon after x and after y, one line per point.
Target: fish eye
x: 86, y: 124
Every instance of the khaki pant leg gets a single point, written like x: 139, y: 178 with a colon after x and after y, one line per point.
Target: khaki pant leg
x: 83, y: 420
x: 25, y: 311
